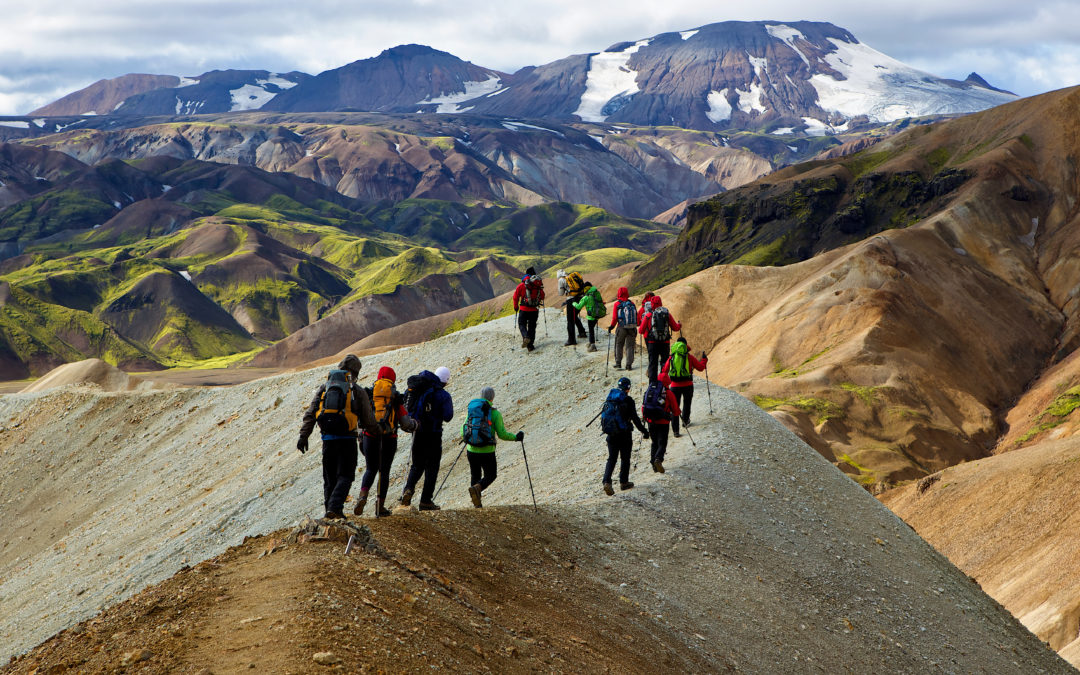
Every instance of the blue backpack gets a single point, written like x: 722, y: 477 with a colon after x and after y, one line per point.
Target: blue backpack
x: 612, y: 416
x: 479, y: 431
x: 627, y: 313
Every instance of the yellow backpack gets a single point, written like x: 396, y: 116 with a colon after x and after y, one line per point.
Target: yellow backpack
x: 384, y: 401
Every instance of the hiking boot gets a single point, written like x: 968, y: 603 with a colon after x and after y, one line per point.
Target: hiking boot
x: 380, y: 510
x: 591, y: 347
x: 524, y: 342
x: 686, y: 423
x: 618, y: 367
x: 676, y: 434
x: 608, y: 489
x: 658, y: 466
x: 582, y: 336
x: 474, y: 493
x: 406, y: 497
x: 529, y: 345
x: 569, y: 343
x: 626, y: 486
x: 360, y: 503
x: 334, y: 515
x: 429, y: 506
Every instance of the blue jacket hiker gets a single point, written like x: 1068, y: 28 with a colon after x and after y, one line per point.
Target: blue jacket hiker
x: 340, y: 408
x: 481, y: 431
x: 618, y: 413
x: 427, y: 402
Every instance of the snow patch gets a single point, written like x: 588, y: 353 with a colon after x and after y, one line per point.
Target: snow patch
x: 40, y: 122
x: 251, y: 96
x: 719, y: 108
x: 687, y: 34
x: 608, y: 78
x: 960, y: 251
x: 90, y: 113
x: 598, y: 139
x: 185, y: 274
x: 16, y: 124
x: 816, y: 127
x: 752, y: 99
x: 760, y: 64
x: 448, y: 103
x: 517, y: 126
x: 886, y: 90
x: 788, y: 35
x: 187, y: 81
x: 117, y: 205
x: 166, y: 188
x: 276, y: 80
x: 792, y: 148
x: 783, y: 131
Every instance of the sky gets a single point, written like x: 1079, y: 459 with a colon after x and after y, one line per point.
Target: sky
x: 49, y: 48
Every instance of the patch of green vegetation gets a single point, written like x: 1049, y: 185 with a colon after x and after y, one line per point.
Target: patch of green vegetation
x: 767, y: 255
x: 780, y: 371
x: 822, y: 409
x: 866, y: 161
x: 1026, y: 140
x: 867, y: 394
x: 475, y: 318
x: 596, y: 260
x: 444, y: 143
x: 52, y: 212
x: 865, y: 477
x: 1054, y: 415
x: 938, y: 158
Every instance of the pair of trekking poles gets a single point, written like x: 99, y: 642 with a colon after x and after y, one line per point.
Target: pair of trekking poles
x: 527, y: 472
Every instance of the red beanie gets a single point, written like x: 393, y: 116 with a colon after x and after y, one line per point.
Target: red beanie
x: 387, y: 373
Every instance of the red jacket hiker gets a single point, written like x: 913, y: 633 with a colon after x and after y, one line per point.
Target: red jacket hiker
x: 671, y: 406
x: 623, y: 294
x: 524, y: 301
x: 687, y: 381
x: 646, y: 320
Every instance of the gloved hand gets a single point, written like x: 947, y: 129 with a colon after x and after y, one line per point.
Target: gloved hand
x: 520, y: 436
x: 610, y: 328
x: 301, y: 445
x: 645, y: 435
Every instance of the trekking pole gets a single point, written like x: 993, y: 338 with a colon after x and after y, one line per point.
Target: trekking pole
x: 594, y: 419
x: 529, y: 475
x: 707, y: 388
x: 687, y: 432
x: 452, y: 465
x: 543, y: 308
x: 608, y: 357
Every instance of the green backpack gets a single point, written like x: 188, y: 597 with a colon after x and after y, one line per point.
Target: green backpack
x: 680, y: 363
x: 596, y: 307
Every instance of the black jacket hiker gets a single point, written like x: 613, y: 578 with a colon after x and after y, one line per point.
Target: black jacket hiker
x: 427, y: 442
x: 621, y: 443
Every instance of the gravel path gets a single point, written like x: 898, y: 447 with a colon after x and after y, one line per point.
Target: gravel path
x: 752, y: 545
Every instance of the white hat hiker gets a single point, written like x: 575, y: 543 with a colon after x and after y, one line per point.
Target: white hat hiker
x: 443, y: 373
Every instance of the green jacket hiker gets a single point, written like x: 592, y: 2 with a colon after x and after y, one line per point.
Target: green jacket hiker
x: 592, y: 303
x: 481, y: 431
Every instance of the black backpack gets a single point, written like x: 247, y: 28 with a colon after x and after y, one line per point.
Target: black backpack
x: 335, y: 415
x: 478, y: 431
x: 416, y: 396
x: 613, y: 415
x: 660, y: 330
x: 653, y: 404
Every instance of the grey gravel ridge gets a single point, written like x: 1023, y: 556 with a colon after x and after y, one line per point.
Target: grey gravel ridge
x: 762, y: 553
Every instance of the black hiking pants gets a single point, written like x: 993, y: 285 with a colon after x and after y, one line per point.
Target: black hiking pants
x: 527, y: 324
x: 574, y: 327
x: 658, y: 356
x: 483, y: 469
x: 379, y: 454
x: 684, y: 396
x: 618, y: 448
x: 592, y: 331
x: 625, y: 337
x: 426, y: 457
x: 658, y: 434
x: 338, y: 467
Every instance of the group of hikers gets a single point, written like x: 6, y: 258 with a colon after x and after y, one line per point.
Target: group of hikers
x: 353, y: 419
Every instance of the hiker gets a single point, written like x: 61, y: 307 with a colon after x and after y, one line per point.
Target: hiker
x: 575, y: 288
x: 561, y: 276
x: 658, y: 409
x: 656, y: 326
x: 624, y: 320
x: 380, y: 447
x: 339, y: 407
x: 482, y: 429
x: 595, y: 309
x: 616, y: 417
x: 430, y: 405
x: 528, y: 299
x: 680, y: 368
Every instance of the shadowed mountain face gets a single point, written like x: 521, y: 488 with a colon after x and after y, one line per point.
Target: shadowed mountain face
x: 105, y: 96
x: 903, y: 351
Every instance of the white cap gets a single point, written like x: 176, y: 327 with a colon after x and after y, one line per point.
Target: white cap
x: 443, y: 373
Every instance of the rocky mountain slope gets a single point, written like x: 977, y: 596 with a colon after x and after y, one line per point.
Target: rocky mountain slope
x: 751, y: 552
x: 105, y: 96
x: 903, y: 352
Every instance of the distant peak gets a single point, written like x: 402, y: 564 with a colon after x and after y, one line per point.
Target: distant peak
x: 409, y: 51
x: 977, y: 80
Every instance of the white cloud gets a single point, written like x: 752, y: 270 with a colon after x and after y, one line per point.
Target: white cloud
x: 51, y: 46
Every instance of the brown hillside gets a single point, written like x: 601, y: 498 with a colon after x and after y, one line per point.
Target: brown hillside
x: 1010, y: 521
x: 103, y: 96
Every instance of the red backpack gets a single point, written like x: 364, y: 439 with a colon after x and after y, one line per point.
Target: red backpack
x: 533, y: 286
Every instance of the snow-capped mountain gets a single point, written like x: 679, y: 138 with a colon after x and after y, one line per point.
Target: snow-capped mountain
x: 408, y: 78
x: 213, y: 92
x: 801, y: 76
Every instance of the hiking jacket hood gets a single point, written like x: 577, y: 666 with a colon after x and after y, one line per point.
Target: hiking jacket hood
x: 496, y: 424
x: 621, y: 296
x: 691, y: 361
x: 401, y: 416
